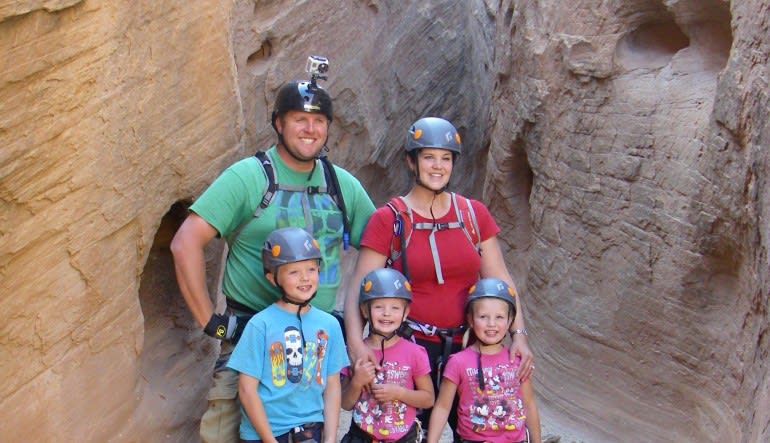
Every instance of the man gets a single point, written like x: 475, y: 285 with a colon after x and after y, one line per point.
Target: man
x: 229, y: 208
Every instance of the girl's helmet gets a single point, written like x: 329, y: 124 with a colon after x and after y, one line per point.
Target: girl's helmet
x: 494, y: 288
x: 288, y: 245
x: 384, y: 283
x: 433, y: 132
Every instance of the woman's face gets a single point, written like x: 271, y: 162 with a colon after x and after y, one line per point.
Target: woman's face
x: 434, y: 167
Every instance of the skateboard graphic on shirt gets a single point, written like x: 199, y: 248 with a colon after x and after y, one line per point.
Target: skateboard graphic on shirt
x: 278, y: 364
x: 293, y: 343
x: 323, y: 341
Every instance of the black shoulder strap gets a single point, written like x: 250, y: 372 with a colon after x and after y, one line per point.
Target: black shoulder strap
x: 336, y: 193
x: 267, y: 194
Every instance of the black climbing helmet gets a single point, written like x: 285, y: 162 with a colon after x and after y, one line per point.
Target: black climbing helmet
x: 384, y: 283
x: 303, y: 96
x: 288, y: 245
x: 433, y: 132
x: 493, y: 288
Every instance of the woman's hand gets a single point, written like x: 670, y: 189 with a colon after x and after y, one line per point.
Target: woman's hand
x: 520, y: 348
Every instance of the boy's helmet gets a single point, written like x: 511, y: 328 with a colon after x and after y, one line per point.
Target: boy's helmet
x: 288, y: 245
x: 303, y: 96
x: 433, y: 132
x: 384, y: 283
x: 494, y: 288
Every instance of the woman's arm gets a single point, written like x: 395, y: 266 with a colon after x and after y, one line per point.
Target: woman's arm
x: 255, y: 410
x: 493, y: 265
x: 368, y: 260
x: 440, y: 413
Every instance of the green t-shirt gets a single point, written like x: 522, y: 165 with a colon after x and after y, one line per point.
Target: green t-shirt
x: 233, y: 198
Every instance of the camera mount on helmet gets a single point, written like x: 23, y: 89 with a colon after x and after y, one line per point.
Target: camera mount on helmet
x: 318, y: 68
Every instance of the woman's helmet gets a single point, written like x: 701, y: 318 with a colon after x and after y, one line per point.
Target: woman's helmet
x: 433, y: 132
x: 303, y: 96
x: 494, y: 288
x: 288, y: 245
x: 384, y: 283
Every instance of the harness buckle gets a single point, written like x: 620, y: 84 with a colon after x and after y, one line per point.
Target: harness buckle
x: 441, y: 226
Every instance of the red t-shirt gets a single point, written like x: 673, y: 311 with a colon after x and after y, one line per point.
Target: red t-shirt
x: 432, y: 303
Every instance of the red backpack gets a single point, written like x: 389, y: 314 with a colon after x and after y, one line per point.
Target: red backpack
x: 404, y: 224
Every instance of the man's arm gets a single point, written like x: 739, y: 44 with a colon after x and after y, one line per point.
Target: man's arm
x: 187, y: 247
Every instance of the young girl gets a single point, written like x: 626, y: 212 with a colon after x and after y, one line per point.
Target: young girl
x: 494, y: 404
x: 387, y: 410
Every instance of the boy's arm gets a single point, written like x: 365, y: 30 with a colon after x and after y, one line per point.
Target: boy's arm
x: 533, y: 417
x: 255, y: 410
x: 332, y: 395
x: 440, y: 413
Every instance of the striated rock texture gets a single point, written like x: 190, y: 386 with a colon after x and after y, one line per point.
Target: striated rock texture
x: 115, y: 115
x: 642, y: 129
x: 622, y: 146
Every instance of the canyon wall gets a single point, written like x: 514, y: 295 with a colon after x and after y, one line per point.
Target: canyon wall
x: 622, y: 146
x: 115, y: 115
x: 641, y: 128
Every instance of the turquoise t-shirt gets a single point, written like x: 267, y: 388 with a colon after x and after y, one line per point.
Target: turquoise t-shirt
x: 233, y: 198
x: 292, y: 378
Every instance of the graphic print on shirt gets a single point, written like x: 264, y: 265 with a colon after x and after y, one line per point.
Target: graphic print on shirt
x: 386, y: 418
x: 499, y: 406
x: 288, y: 361
x: 293, y: 345
x: 323, y: 341
x: 325, y: 220
x: 277, y: 364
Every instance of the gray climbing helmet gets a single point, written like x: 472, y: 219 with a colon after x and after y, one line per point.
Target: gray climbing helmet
x: 492, y: 288
x: 384, y: 283
x: 433, y: 132
x: 288, y: 245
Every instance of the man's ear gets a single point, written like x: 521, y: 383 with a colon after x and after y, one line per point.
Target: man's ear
x: 279, y: 124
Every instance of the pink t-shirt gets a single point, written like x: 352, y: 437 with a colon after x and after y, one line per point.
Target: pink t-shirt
x: 495, y: 414
x: 389, y: 421
x: 433, y: 303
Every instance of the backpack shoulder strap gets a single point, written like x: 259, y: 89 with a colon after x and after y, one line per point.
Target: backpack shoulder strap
x: 333, y: 185
x: 402, y: 232
x: 267, y: 194
x: 467, y: 218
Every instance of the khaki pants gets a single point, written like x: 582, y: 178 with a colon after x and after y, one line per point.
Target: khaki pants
x: 222, y: 419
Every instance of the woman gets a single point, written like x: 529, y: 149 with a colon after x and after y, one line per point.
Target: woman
x: 433, y: 249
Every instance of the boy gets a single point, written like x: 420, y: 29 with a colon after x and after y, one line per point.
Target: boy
x: 290, y: 353
x: 494, y: 405
x: 387, y: 410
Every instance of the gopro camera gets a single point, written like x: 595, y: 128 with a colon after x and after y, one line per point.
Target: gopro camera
x: 318, y: 67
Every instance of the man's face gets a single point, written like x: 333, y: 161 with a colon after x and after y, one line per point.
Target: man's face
x: 304, y: 134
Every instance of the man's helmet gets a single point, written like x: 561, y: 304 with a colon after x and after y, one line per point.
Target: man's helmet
x: 494, y: 288
x: 288, y: 245
x: 384, y: 283
x: 433, y: 132
x: 303, y: 96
